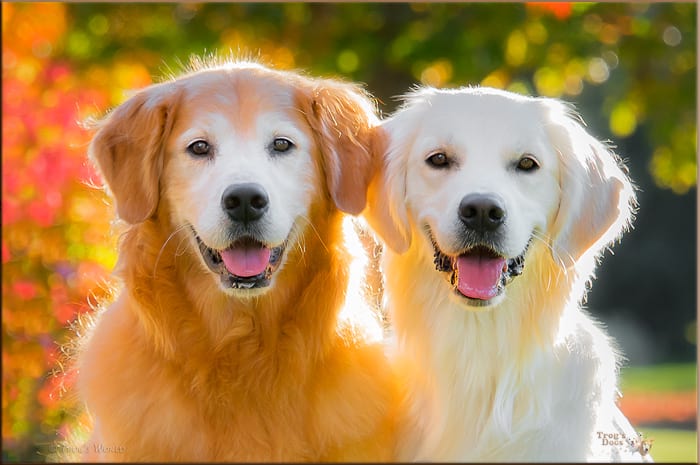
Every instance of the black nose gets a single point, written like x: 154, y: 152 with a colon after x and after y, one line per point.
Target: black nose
x: 482, y: 212
x: 245, y: 202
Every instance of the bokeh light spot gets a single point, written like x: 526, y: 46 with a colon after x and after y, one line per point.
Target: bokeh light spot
x: 99, y: 25
x: 592, y: 24
x: 611, y: 59
x: 348, y: 61
x: 519, y: 87
x: 78, y: 44
x: 497, y: 79
x: 516, y: 48
x: 549, y: 82
x: 42, y: 49
x: 437, y: 74
x: 598, y: 71
x: 401, y: 47
x: 536, y: 32
x: 609, y: 34
x: 623, y: 119
x: 672, y: 36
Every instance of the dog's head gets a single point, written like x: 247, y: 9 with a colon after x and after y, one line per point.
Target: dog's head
x: 237, y: 155
x: 479, y: 177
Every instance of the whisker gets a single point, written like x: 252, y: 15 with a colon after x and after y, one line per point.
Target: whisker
x: 300, y: 244
x: 180, y: 250
x: 162, y: 248
x: 546, y: 240
x: 308, y: 221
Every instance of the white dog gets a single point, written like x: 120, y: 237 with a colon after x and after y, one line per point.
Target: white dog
x: 494, y: 207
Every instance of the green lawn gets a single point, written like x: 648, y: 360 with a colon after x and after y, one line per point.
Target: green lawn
x: 667, y: 377
x: 670, y: 445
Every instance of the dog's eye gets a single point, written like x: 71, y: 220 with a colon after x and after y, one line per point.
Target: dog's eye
x: 527, y: 163
x: 438, y: 160
x: 281, y: 145
x: 199, y: 148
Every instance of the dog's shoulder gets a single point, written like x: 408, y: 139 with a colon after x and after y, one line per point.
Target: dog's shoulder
x: 583, y: 337
x: 355, y: 373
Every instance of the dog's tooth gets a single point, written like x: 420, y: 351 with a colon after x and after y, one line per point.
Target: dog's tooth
x: 516, y: 265
x: 442, y: 262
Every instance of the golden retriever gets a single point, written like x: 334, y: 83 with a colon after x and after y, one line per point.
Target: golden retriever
x: 495, y: 207
x: 225, y: 343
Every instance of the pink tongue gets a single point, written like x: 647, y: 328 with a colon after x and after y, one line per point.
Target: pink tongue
x: 246, y: 261
x: 478, y: 276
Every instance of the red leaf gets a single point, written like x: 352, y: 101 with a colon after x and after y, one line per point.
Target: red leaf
x: 6, y: 254
x: 25, y: 290
x: 40, y: 212
x: 11, y: 213
x: 561, y: 10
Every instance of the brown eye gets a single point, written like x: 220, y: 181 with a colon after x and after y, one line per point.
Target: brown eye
x: 438, y: 160
x: 199, y: 148
x: 527, y: 163
x: 281, y: 145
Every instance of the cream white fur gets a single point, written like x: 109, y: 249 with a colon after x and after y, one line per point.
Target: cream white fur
x: 531, y: 377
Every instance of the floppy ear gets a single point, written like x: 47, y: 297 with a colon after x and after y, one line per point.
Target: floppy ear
x: 343, y: 117
x: 386, y: 209
x: 127, y: 150
x: 597, y: 198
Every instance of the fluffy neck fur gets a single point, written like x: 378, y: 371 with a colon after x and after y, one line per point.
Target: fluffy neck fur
x: 250, y: 343
x: 488, y: 375
x: 274, y: 378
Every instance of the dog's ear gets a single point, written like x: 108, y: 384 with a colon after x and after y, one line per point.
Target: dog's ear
x: 343, y: 117
x: 597, y: 198
x: 386, y: 210
x: 127, y: 150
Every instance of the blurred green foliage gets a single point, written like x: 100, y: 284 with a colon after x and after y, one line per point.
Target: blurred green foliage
x: 643, y: 53
x: 62, y: 62
x: 673, y: 446
x: 668, y: 377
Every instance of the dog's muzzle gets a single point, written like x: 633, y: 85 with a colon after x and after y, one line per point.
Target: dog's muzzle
x: 245, y: 264
x: 480, y: 273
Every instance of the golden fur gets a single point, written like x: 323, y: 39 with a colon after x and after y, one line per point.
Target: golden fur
x: 178, y: 370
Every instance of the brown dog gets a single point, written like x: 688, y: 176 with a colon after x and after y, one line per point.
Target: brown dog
x: 225, y: 342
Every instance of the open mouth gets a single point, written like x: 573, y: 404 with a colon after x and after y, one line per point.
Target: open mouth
x: 480, y: 273
x: 246, y: 264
